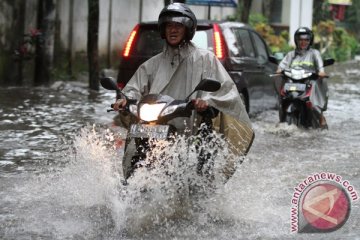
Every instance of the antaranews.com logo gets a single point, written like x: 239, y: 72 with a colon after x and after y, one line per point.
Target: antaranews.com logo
x: 321, y: 203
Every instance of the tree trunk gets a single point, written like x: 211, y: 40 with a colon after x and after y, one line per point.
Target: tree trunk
x: 267, y: 5
x: 245, y: 11
x: 45, y: 44
x: 70, y: 52
x: 11, y: 64
x: 92, y: 44
x: 57, y: 62
x: 109, y: 48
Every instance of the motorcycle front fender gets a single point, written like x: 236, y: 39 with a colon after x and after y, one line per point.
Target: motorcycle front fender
x: 291, y: 108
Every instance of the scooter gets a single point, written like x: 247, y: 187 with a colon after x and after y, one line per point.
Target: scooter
x: 295, y: 106
x: 152, y: 113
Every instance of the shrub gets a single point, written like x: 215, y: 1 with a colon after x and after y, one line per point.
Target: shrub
x: 335, y: 42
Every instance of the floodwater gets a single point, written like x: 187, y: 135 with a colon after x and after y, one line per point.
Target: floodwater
x: 60, y: 178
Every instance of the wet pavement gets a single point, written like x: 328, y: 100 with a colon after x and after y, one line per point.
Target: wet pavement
x: 58, y: 175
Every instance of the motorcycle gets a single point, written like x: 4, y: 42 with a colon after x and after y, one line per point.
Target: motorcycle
x: 153, y: 113
x: 295, y: 106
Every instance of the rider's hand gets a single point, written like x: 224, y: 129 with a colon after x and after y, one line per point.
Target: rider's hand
x: 119, y: 104
x: 200, y: 105
x: 322, y: 74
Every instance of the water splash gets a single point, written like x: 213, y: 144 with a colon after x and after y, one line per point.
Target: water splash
x: 80, y: 192
x: 175, y: 188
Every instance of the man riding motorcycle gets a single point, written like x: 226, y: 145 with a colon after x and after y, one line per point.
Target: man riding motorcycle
x: 179, y: 68
x: 310, y: 59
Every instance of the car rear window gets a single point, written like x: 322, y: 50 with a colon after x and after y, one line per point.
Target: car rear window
x: 201, y: 40
x: 261, y: 48
x: 149, y: 43
x: 244, y: 42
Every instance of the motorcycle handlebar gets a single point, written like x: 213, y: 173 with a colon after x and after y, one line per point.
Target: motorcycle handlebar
x: 126, y: 108
x: 191, y: 105
x: 314, y: 76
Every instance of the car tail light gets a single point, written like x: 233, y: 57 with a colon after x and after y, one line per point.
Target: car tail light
x: 130, y: 41
x: 219, y: 43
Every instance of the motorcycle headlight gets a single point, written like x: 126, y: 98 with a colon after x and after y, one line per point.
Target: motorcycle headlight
x: 308, y: 74
x: 169, y: 110
x: 288, y: 74
x: 298, y: 74
x: 150, y: 112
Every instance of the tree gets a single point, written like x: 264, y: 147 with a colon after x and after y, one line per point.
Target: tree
x: 267, y: 6
x: 11, y: 69
x: 70, y: 52
x: 245, y: 10
x: 352, y: 18
x: 321, y: 11
x: 92, y: 44
x: 45, y: 44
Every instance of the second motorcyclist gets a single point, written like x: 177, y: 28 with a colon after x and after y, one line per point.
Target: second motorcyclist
x: 308, y: 58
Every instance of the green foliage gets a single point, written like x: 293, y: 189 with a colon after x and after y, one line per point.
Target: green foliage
x: 276, y: 43
x: 231, y: 18
x: 335, y: 42
x: 352, y: 18
x: 321, y: 11
x: 257, y: 18
x: 332, y: 41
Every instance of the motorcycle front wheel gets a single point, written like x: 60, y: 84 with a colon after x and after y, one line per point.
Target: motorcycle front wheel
x: 135, y: 150
x: 291, y: 119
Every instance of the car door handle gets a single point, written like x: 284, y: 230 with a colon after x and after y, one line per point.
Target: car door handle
x: 260, y: 66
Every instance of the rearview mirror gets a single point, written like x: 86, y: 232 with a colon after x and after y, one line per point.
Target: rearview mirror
x: 278, y: 56
x: 208, y: 85
x: 274, y: 60
x: 109, y: 83
x: 328, y: 61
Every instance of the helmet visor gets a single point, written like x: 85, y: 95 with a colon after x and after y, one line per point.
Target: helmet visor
x: 178, y: 19
x: 304, y: 37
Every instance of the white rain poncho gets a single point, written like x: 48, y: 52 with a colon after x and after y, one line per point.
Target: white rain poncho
x: 176, y: 72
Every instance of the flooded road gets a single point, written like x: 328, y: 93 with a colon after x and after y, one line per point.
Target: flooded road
x: 59, y: 172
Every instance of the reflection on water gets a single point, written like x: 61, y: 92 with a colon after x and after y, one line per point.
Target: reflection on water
x: 33, y: 120
x: 60, y: 176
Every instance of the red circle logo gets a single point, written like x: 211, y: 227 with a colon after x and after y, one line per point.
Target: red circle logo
x: 326, y: 207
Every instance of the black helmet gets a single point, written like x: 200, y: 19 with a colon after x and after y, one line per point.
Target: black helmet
x: 303, y: 33
x: 180, y: 13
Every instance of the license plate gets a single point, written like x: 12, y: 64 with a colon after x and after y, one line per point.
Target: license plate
x: 149, y: 131
x: 295, y: 87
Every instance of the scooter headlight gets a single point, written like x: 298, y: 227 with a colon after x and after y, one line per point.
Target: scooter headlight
x: 150, y: 112
x: 288, y: 74
x: 298, y: 74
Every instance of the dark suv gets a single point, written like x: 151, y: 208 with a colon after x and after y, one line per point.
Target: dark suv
x: 241, y: 50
